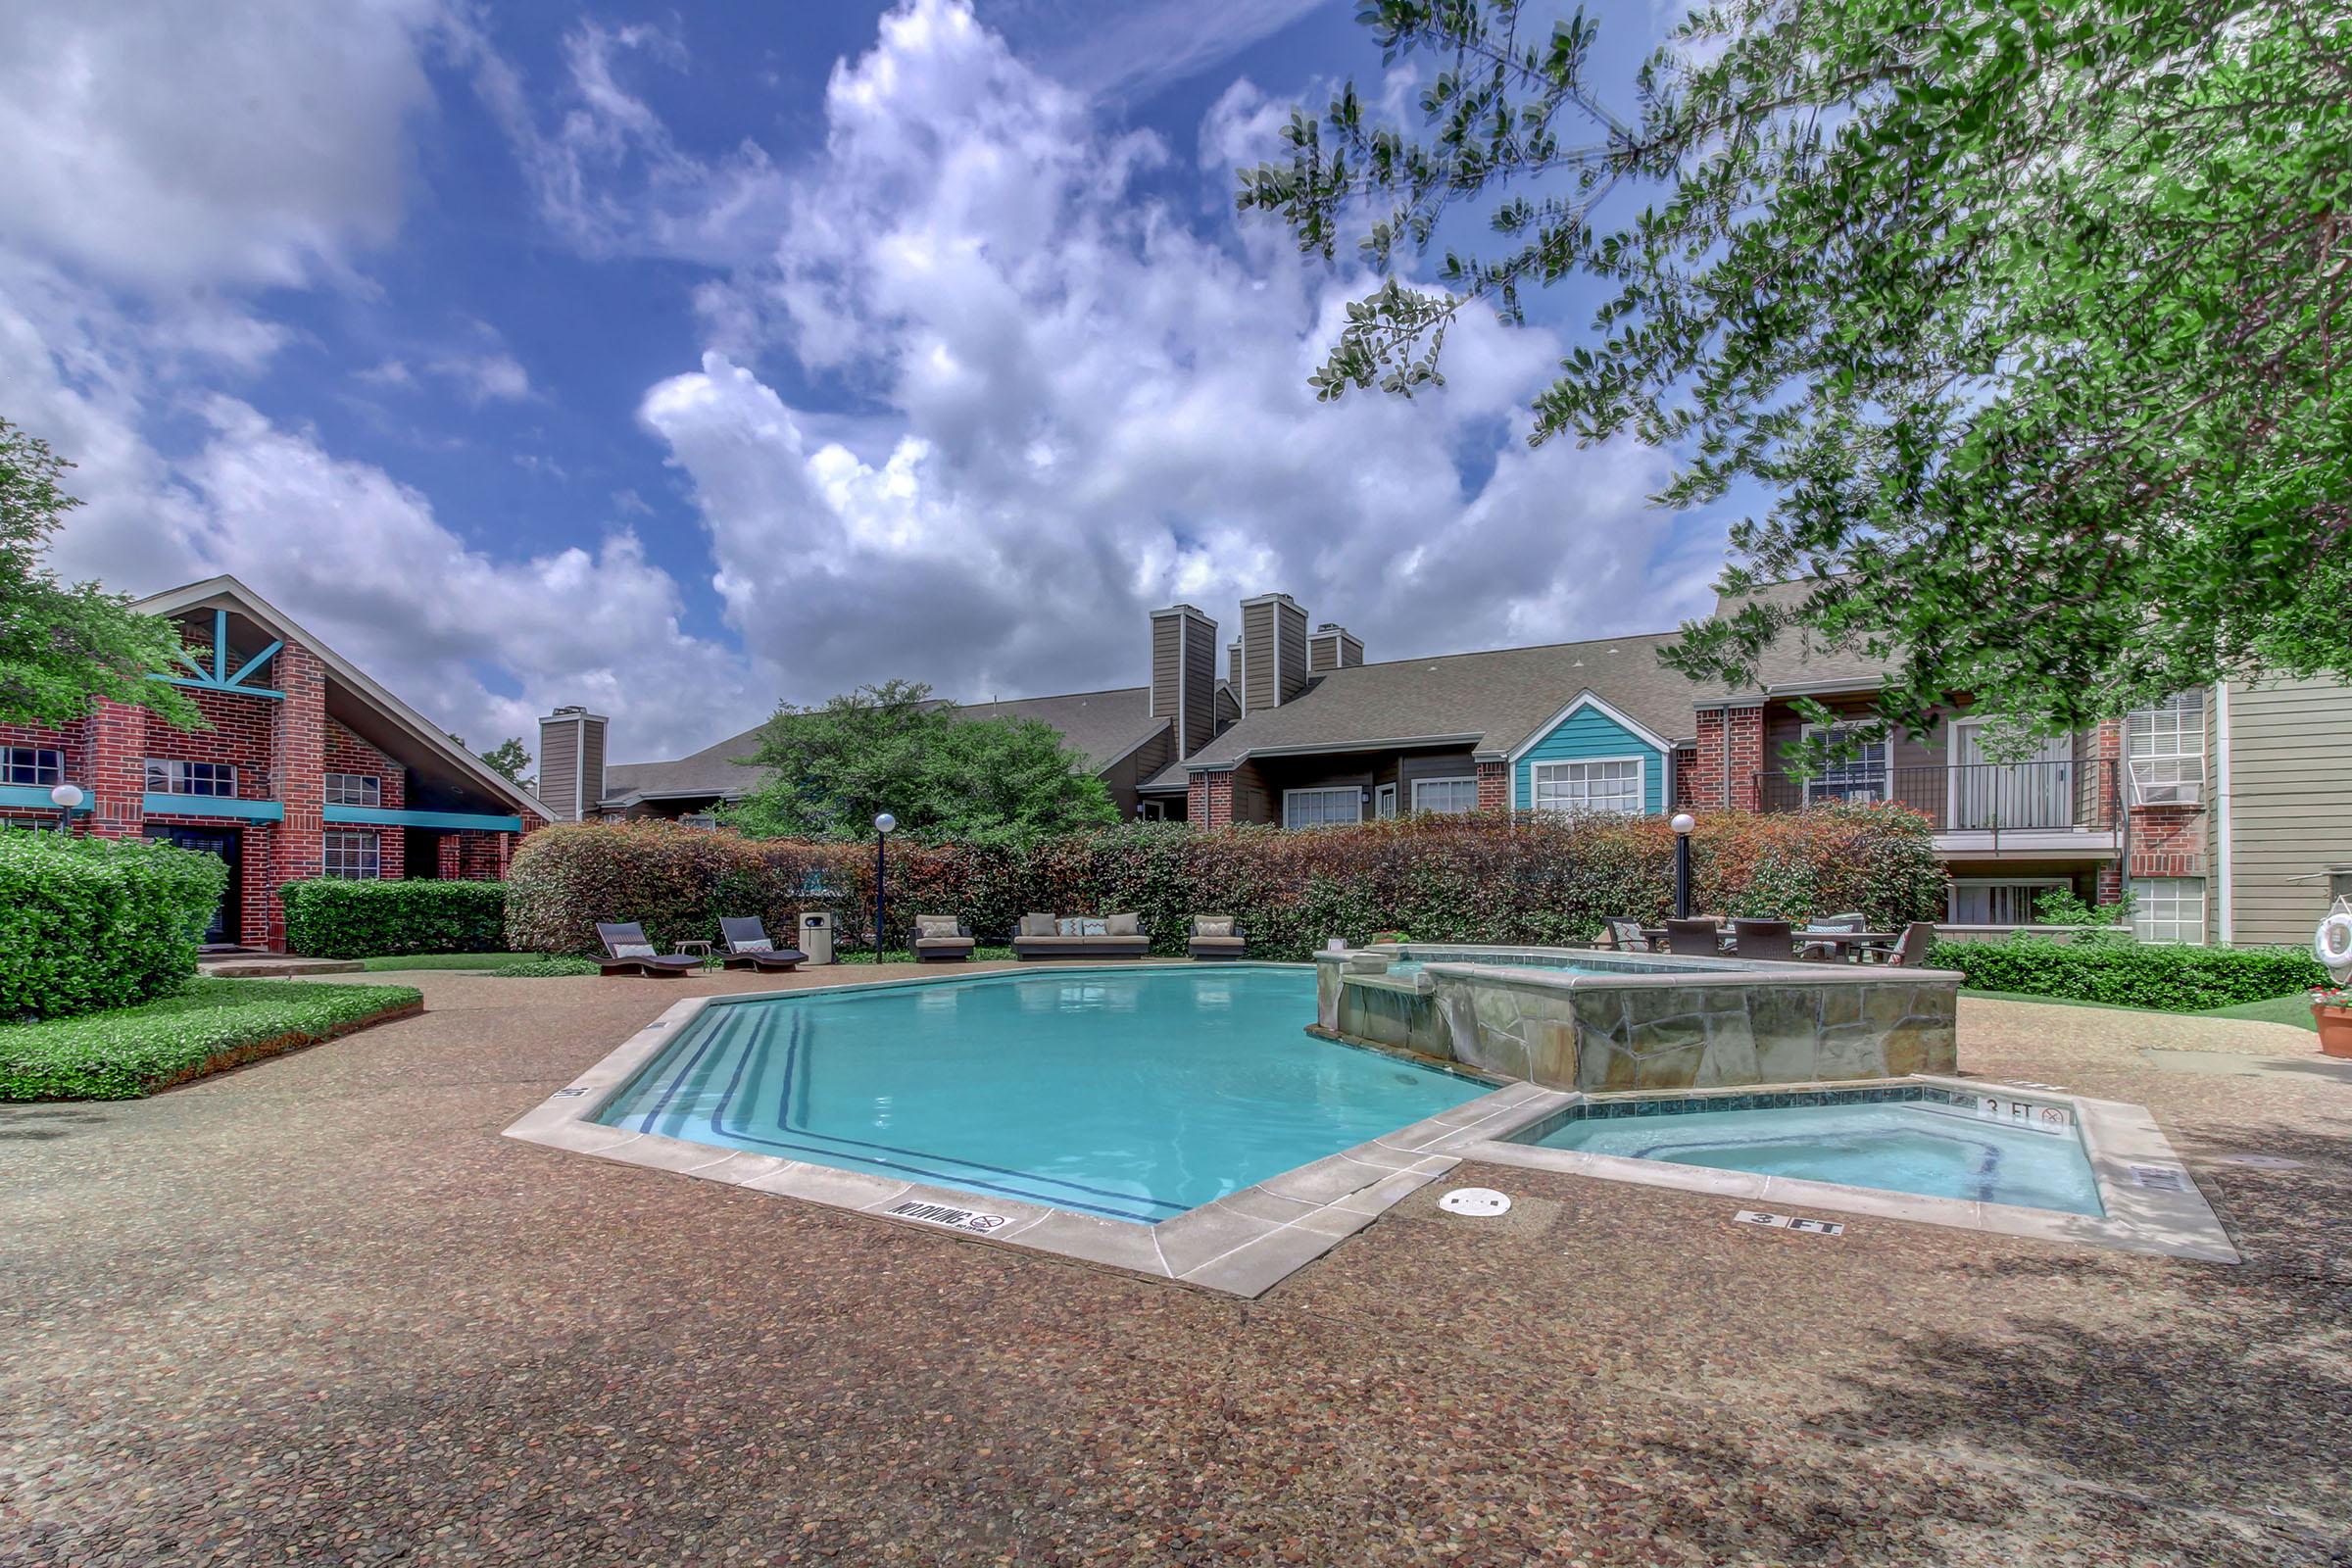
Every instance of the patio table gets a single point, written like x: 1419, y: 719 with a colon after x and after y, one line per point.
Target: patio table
x: 1853, y: 944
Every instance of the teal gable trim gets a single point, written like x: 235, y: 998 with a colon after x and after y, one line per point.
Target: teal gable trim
x: 385, y: 817
x: 214, y: 805
x: 20, y: 796
x: 1590, y: 735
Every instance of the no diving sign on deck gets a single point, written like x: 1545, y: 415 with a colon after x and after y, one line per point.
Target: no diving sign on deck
x: 959, y: 1219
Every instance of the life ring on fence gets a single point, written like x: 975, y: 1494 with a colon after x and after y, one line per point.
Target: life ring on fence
x: 2332, y: 944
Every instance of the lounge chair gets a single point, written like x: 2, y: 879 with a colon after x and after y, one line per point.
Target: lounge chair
x: 941, y: 939
x: 1693, y: 939
x: 1626, y: 936
x: 1044, y: 936
x: 1763, y: 939
x: 1827, y: 951
x: 749, y: 947
x: 629, y: 950
x: 1217, y: 937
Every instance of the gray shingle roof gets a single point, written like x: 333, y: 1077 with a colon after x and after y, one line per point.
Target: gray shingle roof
x: 1100, y: 726
x: 1488, y: 701
x: 1789, y: 662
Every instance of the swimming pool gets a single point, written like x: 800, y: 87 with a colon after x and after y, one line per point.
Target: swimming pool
x: 1893, y: 1141
x: 1136, y: 1096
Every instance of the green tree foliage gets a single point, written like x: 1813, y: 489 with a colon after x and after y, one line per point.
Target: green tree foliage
x: 894, y: 748
x: 2029, y: 318
x: 62, y: 646
x: 508, y: 758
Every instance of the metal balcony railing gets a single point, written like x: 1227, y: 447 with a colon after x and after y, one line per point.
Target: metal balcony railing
x: 1966, y: 796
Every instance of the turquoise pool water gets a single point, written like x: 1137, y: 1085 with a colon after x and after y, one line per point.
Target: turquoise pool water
x: 1135, y: 1095
x: 1894, y: 1147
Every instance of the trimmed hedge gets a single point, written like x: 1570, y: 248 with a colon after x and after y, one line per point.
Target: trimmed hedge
x: 210, y: 1025
x: 1483, y: 878
x: 2131, y: 974
x: 90, y: 923
x: 333, y: 918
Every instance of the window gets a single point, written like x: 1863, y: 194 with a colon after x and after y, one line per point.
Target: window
x: 354, y: 789
x: 2169, y: 908
x: 1450, y: 796
x: 1383, y: 802
x: 1999, y: 903
x: 1322, y: 808
x: 2164, y: 752
x: 191, y: 778
x: 353, y: 857
x: 31, y: 764
x: 1860, y: 774
x: 1614, y: 784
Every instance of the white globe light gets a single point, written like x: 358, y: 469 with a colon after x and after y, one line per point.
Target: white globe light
x: 885, y: 822
x: 1684, y: 822
x: 66, y: 797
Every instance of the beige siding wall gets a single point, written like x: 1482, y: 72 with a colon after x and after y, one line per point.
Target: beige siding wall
x: 1290, y: 626
x: 2290, y: 806
x: 1167, y: 665
x: 1199, y: 688
x: 559, y: 756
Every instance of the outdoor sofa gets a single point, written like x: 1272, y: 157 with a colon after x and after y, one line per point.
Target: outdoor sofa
x: 941, y: 939
x: 1109, y: 936
x: 749, y: 947
x: 1218, y: 938
x: 629, y: 950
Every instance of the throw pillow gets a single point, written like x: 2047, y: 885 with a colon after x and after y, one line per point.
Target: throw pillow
x: 632, y: 950
x: 1125, y: 925
x: 1093, y: 926
x: 1213, y: 925
x: 756, y: 945
x: 1037, y: 925
x: 1069, y: 925
x: 936, y: 925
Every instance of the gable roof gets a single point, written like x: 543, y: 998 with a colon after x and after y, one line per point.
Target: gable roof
x: 1791, y: 665
x: 226, y: 591
x: 1489, y: 702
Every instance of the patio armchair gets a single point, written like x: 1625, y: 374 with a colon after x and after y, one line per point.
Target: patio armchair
x: 1763, y: 939
x: 1693, y: 939
x: 1626, y: 936
x: 1107, y: 936
x: 750, y: 948
x: 1217, y: 937
x: 629, y: 950
x: 1823, y: 951
x: 1911, y: 952
x: 941, y: 939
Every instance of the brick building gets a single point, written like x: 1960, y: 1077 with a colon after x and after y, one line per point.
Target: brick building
x: 309, y: 768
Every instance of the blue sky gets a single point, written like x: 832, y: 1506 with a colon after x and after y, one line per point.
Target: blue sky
x: 680, y: 361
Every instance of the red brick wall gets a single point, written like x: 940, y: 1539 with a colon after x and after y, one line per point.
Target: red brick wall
x: 1725, y: 774
x: 1685, y: 778
x: 1210, y: 800
x: 73, y: 742
x: 1493, y: 786
x: 241, y: 736
x: 346, y: 752
x: 2167, y: 841
x: 299, y: 739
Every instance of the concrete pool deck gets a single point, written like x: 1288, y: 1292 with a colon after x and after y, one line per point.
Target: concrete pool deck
x: 319, y: 1310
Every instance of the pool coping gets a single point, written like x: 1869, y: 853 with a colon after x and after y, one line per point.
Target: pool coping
x: 1243, y: 1244
x: 2121, y: 1139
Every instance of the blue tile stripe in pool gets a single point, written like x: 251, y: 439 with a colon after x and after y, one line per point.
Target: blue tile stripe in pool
x: 1134, y: 1095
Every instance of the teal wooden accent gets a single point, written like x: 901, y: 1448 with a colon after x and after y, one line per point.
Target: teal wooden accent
x: 1590, y: 735
x: 17, y: 795
x: 214, y: 805
x: 218, y: 678
x: 386, y: 817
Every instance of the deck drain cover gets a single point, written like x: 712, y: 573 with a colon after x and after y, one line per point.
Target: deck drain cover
x: 2261, y: 1161
x: 2160, y: 1178
x: 1474, y: 1201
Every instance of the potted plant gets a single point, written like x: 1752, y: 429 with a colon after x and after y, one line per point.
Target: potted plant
x: 2332, y: 1010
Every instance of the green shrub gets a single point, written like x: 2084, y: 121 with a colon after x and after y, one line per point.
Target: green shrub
x: 93, y: 923
x: 548, y: 967
x: 333, y: 918
x: 212, y: 1023
x: 1485, y: 878
x: 2130, y: 974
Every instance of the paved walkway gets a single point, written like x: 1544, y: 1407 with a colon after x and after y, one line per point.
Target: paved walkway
x: 319, y: 1311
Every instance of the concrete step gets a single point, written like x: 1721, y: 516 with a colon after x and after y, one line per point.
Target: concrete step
x: 271, y: 965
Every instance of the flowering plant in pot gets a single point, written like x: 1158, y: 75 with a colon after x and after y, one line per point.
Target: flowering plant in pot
x: 2332, y: 1010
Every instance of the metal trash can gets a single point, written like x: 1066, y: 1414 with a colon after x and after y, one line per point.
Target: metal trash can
x: 816, y: 935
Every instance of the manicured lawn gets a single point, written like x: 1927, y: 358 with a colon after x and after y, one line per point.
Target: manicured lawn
x: 2294, y: 1009
x: 213, y: 1024
x: 520, y: 965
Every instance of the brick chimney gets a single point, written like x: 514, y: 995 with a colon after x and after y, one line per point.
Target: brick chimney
x: 571, y: 763
x: 1273, y: 651
x: 1332, y: 647
x: 1183, y: 675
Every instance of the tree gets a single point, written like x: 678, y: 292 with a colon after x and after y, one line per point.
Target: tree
x: 508, y: 758
x: 64, y: 645
x: 2028, y: 317
x: 894, y: 748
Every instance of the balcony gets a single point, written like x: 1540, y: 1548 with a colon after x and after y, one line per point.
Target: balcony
x: 2022, y: 808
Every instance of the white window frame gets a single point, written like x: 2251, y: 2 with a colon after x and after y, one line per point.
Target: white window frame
x: 1536, y: 778
x: 2165, y: 765
x: 1470, y: 779
x: 1383, y: 802
x: 1356, y: 792
x: 2041, y: 885
x: 1820, y: 788
x: 368, y: 845
x: 34, y: 760
x: 172, y: 771
x: 2159, y: 917
x: 371, y: 796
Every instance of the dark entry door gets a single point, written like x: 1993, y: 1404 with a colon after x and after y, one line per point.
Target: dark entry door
x: 222, y: 929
